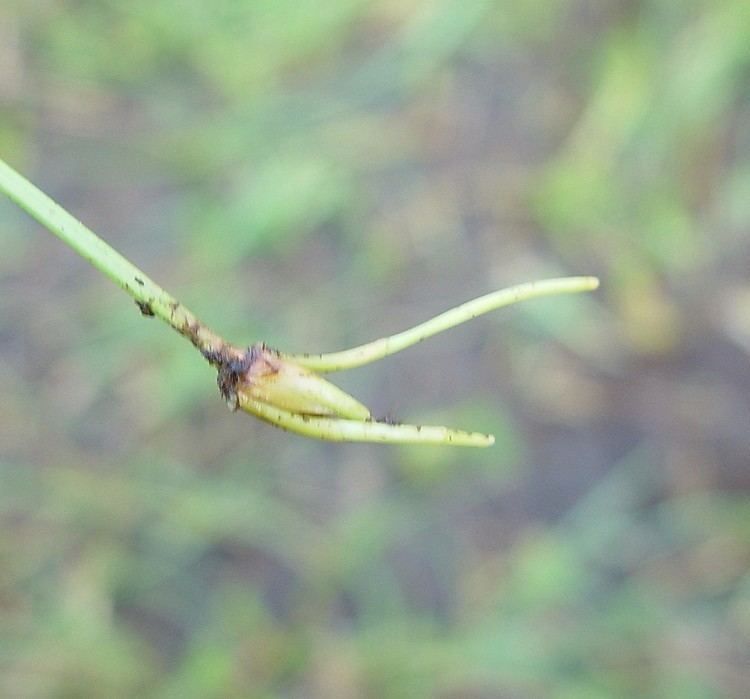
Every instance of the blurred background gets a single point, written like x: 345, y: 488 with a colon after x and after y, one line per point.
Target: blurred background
x: 315, y: 175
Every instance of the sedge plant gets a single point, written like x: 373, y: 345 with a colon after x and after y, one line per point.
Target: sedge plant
x: 286, y: 390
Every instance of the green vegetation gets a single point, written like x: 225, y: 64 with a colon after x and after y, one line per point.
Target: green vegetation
x: 318, y: 174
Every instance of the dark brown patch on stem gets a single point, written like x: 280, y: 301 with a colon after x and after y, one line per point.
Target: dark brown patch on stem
x: 233, y: 366
x: 173, y: 306
x: 192, y: 331
x: 145, y: 308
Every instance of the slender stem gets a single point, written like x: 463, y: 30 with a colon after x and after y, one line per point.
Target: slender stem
x: 150, y: 297
x: 269, y: 394
x: 342, y: 430
x: 377, y: 349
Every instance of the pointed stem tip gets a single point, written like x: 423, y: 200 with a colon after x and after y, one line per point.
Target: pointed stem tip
x: 385, y: 346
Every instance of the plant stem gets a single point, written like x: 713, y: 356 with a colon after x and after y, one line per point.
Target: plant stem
x: 342, y: 430
x: 377, y: 349
x: 150, y: 297
x: 282, y: 388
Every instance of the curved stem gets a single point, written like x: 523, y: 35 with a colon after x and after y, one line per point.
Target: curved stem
x: 269, y: 394
x: 342, y: 430
x: 377, y: 349
x: 150, y: 297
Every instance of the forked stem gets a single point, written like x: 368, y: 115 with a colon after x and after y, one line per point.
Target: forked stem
x: 280, y: 388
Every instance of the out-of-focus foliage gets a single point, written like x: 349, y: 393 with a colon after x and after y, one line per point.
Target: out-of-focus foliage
x: 315, y: 174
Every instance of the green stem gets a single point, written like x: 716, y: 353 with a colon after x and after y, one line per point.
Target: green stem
x: 150, y: 297
x: 377, y: 349
x: 342, y: 430
x: 268, y: 388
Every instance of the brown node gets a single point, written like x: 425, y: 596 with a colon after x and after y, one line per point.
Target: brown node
x: 233, y: 367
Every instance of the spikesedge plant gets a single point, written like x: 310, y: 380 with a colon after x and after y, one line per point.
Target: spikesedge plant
x: 283, y: 389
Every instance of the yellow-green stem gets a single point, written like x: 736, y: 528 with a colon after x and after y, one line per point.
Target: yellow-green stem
x: 342, y: 430
x: 268, y: 390
x: 150, y: 297
x: 377, y: 349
